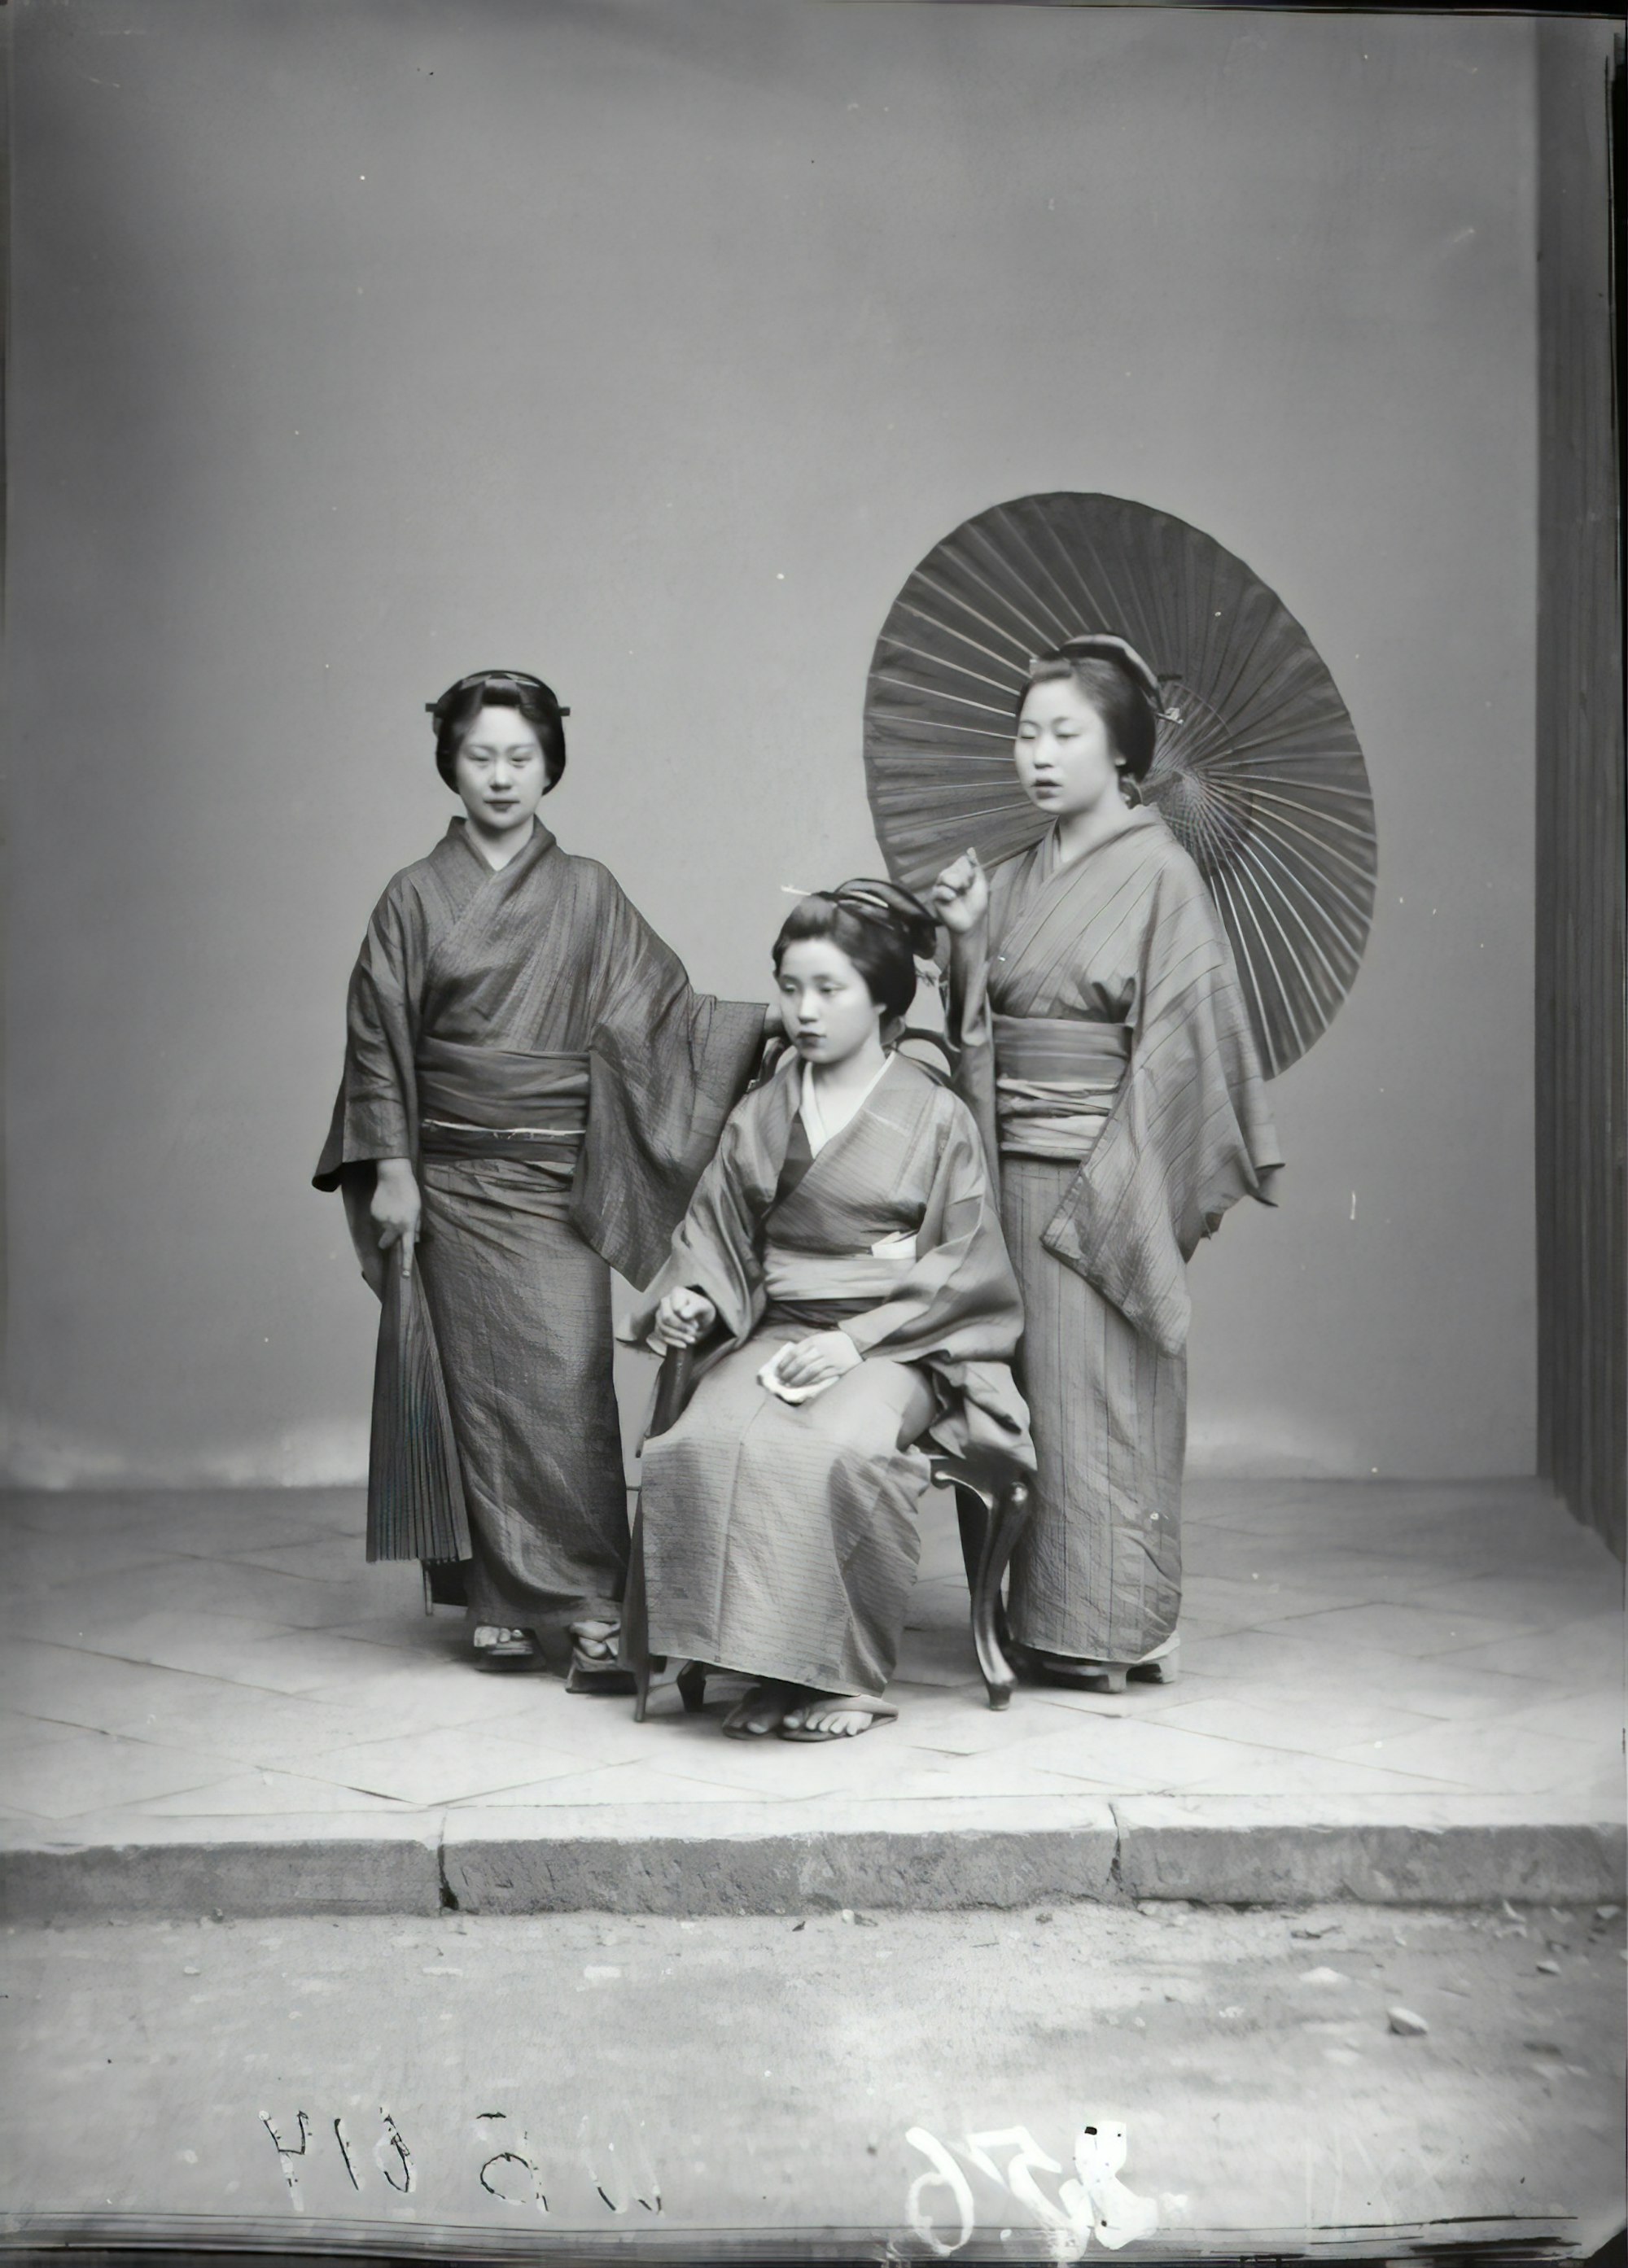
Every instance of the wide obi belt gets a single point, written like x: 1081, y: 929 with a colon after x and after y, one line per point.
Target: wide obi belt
x: 1055, y: 1080
x: 478, y: 1101
x: 824, y: 1288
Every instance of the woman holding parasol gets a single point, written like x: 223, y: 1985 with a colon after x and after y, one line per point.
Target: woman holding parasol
x: 1107, y: 1053
x: 531, y: 1087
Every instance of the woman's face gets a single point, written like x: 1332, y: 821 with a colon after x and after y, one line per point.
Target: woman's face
x: 499, y: 771
x: 1065, y: 756
x: 825, y: 1003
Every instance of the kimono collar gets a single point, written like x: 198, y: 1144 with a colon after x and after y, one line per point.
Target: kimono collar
x: 541, y: 842
x: 814, y: 1124
x: 1050, y: 863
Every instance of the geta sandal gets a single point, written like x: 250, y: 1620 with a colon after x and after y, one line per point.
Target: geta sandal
x: 1161, y: 1666
x: 595, y: 1662
x: 492, y: 1643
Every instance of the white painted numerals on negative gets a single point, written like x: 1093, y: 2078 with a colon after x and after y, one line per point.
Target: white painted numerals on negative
x: 1094, y: 2202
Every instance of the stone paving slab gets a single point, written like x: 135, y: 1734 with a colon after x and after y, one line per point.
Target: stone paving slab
x: 1389, y: 1691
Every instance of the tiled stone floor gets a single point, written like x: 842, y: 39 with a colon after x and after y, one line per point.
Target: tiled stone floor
x: 173, y: 1657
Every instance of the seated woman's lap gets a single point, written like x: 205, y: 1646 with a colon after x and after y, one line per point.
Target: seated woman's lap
x: 874, y: 1410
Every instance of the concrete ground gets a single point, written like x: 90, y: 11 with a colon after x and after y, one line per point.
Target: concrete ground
x: 1389, y: 1690
x: 895, y: 2082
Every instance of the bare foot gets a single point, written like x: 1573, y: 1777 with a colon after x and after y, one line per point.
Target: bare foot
x: 833, y: 1717
x: 492, y: 1639
x: 762, y: 1709
x: 597, y: 1641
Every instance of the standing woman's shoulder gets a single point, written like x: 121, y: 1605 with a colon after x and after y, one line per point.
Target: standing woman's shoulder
x: 594, y: 883
x: 413, y: 888
x: 1172, y: 871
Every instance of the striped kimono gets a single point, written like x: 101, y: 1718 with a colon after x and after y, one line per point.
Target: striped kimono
x: 780, y: 1540
x: 1107, y: 1058
x: 536, y: 1051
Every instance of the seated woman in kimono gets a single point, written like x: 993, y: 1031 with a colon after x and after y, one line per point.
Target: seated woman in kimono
x: 1108, y: 1055
x: 530, y: 1088
x: 842, y: 1251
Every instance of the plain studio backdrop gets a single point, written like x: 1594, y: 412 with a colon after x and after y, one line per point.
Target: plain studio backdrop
x: 360, y: 343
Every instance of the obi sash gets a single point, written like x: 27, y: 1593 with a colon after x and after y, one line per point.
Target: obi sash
x: 1055, y: 1080
x: 798, y: 1278
x: 478, y: 1101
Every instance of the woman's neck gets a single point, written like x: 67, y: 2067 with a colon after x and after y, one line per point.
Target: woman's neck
x: 1079, y: 831
x: 855, y: 1073
x: 499, y: 851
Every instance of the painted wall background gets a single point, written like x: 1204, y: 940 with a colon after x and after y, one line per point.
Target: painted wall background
x: 361, y: 343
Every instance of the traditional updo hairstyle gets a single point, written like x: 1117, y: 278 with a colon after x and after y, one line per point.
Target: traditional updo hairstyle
x: 498, y: 688
x: 1120, y: 687
x: 880, y: 927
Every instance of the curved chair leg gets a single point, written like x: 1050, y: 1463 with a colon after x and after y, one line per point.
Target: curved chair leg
x: 974, y: 1517
x: 1002, y: 1523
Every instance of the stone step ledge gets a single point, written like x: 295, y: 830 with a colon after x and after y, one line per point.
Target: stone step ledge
x: 923, y: 1855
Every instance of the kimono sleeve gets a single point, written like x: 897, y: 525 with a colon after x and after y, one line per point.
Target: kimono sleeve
x: 959, y: 1311
x: 1190, y: 1133
x: 961, y: 1297
x: 972, y: 1029
x: 667, y: 1064
x: 713, y: 1248
x: 375, y: 1114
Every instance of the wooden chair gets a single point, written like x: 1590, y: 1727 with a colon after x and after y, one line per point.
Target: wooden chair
x: 992, y: 1504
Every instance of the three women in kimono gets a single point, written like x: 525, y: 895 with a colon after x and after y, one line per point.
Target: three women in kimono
x: 530, y: 1089
x: 841, y: 1267
x: 1106, y: 1053
x: 533, y: 1087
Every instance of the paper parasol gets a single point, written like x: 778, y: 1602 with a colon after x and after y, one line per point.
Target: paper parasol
x: 1259, y: 778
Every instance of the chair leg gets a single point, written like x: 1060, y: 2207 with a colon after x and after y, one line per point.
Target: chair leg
x: 1002, y: 1524
x: 635, y: 1653
x: 972, y: 1517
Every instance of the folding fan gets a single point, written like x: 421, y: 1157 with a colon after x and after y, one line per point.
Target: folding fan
x: 415, y: 1505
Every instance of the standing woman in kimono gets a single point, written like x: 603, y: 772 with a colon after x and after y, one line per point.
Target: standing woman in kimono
x: 843, y: 1247
x: 1107, y: 1056
x: 530, y: 1090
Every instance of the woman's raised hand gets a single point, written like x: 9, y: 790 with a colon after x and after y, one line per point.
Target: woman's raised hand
x: 817, y: 1360
x: 395, y: 1208
x: 683, y: 1317
x: 960, y: 896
